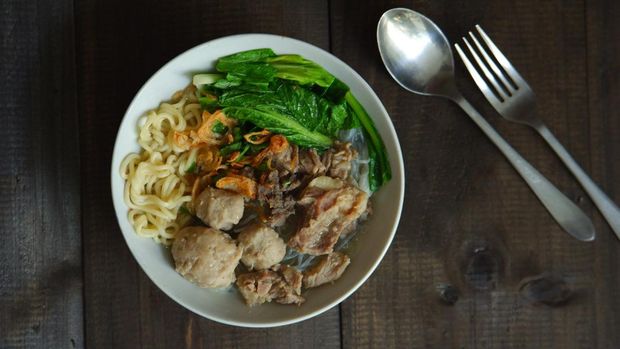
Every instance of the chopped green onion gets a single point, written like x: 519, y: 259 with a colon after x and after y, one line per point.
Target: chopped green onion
x: 231, y: 148
x: 219, y: 127
x: 218, y: 176
x: 191, y: 168
x: 184, y: 210
x: 262, y: 167
x: 208, y: 102
x: 245, y: 149
x: 256, y: 148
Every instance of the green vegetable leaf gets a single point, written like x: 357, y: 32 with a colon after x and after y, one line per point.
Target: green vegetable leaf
x: 339, y: 119
x: 296, y: 68
x: 246, y: 56
x: 304, y: 106
x: 271, y: 119
x: 307, y: 73
x: 336, y: 91
x: 225, y: 83
x: 379, y: 164
x: 308, y: 109
x: 248, y: 66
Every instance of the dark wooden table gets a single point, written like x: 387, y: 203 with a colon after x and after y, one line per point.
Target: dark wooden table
x: 476, y: 263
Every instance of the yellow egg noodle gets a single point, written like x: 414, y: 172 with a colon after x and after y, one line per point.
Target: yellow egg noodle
x: 155, y: 185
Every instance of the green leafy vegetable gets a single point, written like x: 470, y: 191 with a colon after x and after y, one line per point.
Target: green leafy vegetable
x: 244, y: 57
x: 296, y: 68
x: 379, y: 164
x: 315, y: 113
x: 248, y: 66
x: 263, y: 65
x: 225, y: 83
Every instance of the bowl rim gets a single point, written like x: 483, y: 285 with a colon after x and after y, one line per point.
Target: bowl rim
x: 397, y: 160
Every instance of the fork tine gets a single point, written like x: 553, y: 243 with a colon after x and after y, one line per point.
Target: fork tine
x: 500, y: 91
x: 507, y: 85
x: 482, y: 85
x: 503, y: 61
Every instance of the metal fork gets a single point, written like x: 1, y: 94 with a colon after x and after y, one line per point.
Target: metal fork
x: 513, y: 98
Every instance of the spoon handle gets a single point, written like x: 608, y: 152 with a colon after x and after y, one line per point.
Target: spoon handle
x: 570, y: 217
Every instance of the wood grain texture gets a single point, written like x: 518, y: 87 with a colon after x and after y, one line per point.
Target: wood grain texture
x: 469, y: 221
x: 604, y: 108
x: 40, y: 249
x: 120, y: 44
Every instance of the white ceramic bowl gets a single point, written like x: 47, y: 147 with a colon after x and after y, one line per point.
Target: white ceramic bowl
x: 227, y: 306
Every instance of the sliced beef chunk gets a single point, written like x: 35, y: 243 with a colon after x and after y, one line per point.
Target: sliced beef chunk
x: 256, y: 287
x: 293, y: 279
x: 331, y: 207
x: 337, y: 160
x: 218, y: 208
x: 328, y: 269
x: 281, y: 284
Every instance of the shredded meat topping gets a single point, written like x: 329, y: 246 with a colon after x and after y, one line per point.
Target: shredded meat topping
x: 275, y: 190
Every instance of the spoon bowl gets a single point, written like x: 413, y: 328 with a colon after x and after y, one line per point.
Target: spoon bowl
x: 415, y: 52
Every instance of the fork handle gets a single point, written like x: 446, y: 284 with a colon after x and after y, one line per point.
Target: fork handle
x: 608, y: 209
x: 568, y: 215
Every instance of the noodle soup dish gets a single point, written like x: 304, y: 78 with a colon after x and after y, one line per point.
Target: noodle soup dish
x: 257, y: 180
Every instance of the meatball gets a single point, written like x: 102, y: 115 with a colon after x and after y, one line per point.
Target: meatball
x: 219, y: 209
x: 206, y: 256
x: 262, y: 247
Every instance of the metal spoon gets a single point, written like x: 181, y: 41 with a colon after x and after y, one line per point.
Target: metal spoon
x: 418, y: 56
